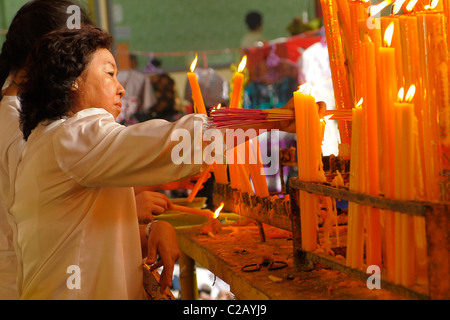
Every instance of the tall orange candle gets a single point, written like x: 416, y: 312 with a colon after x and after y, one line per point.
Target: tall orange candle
x: 388, y: 96
x: 412, y: 75
x: 357, y: 13
x: 373, y: 245
x: 196, y: 92
x: 396, y: 43
x: 355, y: 237
x: 237, y: 84
x: 405, y: 155
x: 434, y: 69
x: 342, y: 93
x: 308, y: 146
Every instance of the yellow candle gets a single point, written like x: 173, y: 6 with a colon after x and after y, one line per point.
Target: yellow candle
x: 199, y: 212
x: 388, y: 95
x: 446, y: 6
x: 199, y: 183
x: 373, y: 245
x: 338, y: 66
x: 396, y: 43
x: 357, y: 13
x: 355, y: 237
x: 405, y: 156
x: 308, y: 152
x: 196, y: 92
x: 412, y: 74
x: 238, y: 82
x: 434, y: 69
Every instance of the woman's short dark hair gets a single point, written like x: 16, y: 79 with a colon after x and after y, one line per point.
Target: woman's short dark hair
x: 53, y: 65
x: 31, y: 22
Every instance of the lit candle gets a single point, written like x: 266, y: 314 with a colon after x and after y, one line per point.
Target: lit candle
x: 388, y: 95
x: 404, y: 136
x: 237, y: 84
x: 355, y: 243
x: 373, y: 246
x: 396, y: 43
x: 196, y: 92
x: 308, y: 153
x: 412, y: 74
x: 200, y: 212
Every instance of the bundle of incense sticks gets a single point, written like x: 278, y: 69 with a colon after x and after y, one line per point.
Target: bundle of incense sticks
x: 236, y: 118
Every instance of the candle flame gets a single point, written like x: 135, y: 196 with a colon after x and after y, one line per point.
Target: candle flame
x: 401, y: 94
x: 411, y: 93
x: 431, y: 6
x: 242, y: 64
x: 388, y: 34
x: 217, y: 212
x: 219, y: 106
x: 359, y: 104
x: 374, y: 10
x: 194, y: 63
x: 411, y: 5
x: 397, y: 6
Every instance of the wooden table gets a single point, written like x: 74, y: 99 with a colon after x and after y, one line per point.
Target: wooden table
x: 226, y: 252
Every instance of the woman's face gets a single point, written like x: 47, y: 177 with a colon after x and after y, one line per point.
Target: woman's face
x: 98, y: 86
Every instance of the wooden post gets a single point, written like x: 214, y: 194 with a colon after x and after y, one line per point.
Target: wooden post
x: 188, y: 278
x: 438, y: 248
x: 301, y: 263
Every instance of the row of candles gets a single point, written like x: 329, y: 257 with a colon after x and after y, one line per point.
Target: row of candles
x: 397, y: 134
x: 245, y: 163
x: 398, y: 71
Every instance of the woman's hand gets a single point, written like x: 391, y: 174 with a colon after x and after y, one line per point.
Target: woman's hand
x: 149, y: 204
x: 162, y: 241
x: 289, y: 125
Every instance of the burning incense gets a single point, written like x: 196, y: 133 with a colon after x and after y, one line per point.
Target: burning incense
x: 237, y: 118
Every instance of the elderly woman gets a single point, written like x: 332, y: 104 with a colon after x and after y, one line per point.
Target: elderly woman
x: 74, y: 207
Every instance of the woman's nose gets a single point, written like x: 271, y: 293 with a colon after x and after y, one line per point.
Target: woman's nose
x: 121, y: 90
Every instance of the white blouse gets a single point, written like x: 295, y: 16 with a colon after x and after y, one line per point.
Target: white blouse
x: 75, y: 209
x: 11, y: 146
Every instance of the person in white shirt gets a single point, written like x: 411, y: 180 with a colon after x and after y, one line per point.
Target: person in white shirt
x: 32, y: 21
x: 254, y: 36
x: 74, y: 204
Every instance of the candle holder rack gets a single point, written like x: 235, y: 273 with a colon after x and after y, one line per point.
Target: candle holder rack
x: 437, y: 219
x: 283, y: 211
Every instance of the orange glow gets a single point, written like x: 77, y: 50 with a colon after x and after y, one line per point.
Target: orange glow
x: 389, y: 34
x: 217, y: 212
x: 242, y: 64
x: 194, y: 63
